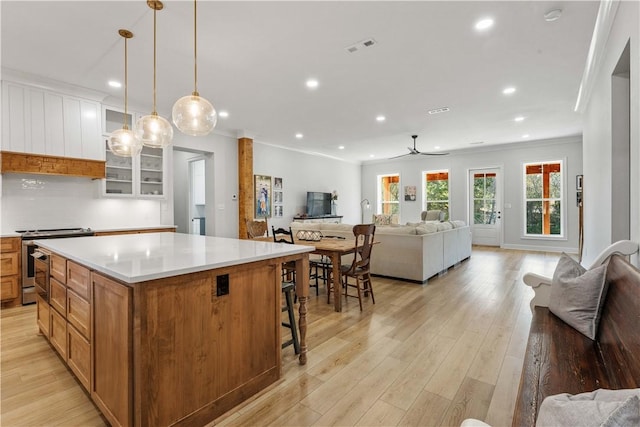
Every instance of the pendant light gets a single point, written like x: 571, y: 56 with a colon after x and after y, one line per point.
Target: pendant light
x: 153, y: 130
x: 193, y: 114
x: 124, y: 142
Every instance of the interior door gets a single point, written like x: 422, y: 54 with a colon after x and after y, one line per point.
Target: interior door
x: 485, y: 190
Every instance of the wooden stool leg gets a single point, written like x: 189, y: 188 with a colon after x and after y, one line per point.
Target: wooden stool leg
x: 292, y: 322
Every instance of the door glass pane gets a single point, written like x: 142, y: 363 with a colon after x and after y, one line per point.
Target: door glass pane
x: 478, y: 212
x: 478, y: 186
x: 490, y: 188
x: 490, y: 211
x: 534, y: 217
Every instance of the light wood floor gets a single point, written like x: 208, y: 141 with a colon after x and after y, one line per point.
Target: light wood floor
x: 421, y: 356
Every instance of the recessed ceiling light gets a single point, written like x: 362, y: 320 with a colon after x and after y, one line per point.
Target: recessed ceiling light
x: 509, y: 90
x: 553, y: 15
x: 437, y: 147
x: 381, y: 118
x: 484, y: 24
x: 372, y: 155
x: 519, y: 119
x: 476, y: 143
x: 526, y: 135
x: 114, y: 83
x: 299, y: 135
x: 223, y: 114
x: 312, y: 83
x: 341, y: 147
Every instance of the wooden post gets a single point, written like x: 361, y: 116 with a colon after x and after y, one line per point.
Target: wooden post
x: 245, y: 184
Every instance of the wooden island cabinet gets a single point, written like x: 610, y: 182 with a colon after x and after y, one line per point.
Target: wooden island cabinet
x: 176, y: 329
x: 10, y: 274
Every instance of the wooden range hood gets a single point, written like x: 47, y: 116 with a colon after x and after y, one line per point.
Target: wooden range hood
x: 11, y: 162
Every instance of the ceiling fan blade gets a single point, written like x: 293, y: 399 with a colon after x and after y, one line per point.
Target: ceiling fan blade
x: 401, y: 155
x: 434, y: 154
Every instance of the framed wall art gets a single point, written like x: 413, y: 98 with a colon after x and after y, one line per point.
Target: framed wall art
x: 410, y: 193
x: 262, y: 191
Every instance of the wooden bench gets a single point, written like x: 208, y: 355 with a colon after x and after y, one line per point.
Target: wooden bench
x: 560, y: 359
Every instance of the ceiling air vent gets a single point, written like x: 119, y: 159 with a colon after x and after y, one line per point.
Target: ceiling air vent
x: 361, y: 45
x: 439, y: 110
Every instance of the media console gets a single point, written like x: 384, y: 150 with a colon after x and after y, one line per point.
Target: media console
x: 336, y: 219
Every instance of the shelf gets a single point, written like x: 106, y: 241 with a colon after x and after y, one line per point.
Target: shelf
x: 119, y: 180
x: 150, y: 170
x: 119, y: 167
x: 151, y: 182
x: 150, y: 155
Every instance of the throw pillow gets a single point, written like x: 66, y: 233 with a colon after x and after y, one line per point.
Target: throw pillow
x: 597, y: 408
x: 382, y: 219
x: 627, y: 414
x: 577, y: 295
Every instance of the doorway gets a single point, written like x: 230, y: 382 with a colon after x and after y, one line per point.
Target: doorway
x: 621, y: 149
x: 485, y: 206
x: 193, y: 199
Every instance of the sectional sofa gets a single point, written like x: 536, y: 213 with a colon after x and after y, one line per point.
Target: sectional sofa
x: 413, y: 252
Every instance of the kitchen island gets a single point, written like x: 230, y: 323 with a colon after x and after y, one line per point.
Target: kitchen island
x: 169, y: 328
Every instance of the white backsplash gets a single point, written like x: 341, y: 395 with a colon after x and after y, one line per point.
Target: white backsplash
x: 43, y: 201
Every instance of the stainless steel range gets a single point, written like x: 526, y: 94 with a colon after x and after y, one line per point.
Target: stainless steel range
x: 28, y: 259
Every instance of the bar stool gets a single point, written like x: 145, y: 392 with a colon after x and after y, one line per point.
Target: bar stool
x: 287, y: 290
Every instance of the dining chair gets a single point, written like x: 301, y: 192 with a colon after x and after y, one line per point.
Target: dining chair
x: 359, y: 268
x: 256, y: 228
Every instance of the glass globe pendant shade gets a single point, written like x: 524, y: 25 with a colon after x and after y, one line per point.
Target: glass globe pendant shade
x: 194, y: 115
x: 154, y: 131
x: 124, y: 143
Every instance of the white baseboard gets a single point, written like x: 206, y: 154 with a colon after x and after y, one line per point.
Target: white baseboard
x: 540, y: 248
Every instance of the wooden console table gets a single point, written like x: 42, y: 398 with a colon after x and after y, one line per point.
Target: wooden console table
x: 336, y: 219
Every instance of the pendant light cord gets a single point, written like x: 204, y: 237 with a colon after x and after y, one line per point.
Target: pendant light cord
x: 124, y: 125
x: 195, y: 48
x: 154, y: 112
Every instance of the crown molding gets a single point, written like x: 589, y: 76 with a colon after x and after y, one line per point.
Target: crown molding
x: 601, y: 31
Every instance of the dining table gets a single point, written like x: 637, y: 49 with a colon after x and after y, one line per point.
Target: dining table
x: 333, y: 248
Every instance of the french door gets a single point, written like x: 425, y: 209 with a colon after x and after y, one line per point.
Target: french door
x: 485, y: 191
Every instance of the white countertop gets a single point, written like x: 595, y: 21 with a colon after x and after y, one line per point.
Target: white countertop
x: 134, y: 258
x: 144, y: 227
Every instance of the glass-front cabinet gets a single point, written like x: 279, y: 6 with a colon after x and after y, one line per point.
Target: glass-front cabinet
x: 151, y: 182
x: 119, y: 173
x: 140, y: 176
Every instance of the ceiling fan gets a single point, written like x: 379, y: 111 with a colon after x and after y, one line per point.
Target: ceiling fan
x: 413, y: 151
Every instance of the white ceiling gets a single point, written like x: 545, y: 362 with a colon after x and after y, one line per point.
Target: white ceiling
x: 254, y: 59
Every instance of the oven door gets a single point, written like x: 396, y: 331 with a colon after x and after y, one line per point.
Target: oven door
x: 41, y: 273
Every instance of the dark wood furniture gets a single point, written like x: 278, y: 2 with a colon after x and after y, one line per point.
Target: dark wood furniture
x: 559, y: 359
x: 359, y: 268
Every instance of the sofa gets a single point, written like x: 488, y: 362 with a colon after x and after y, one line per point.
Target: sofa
x: 413, y: 252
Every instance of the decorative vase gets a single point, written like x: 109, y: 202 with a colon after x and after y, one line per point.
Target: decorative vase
x: 334, y: 208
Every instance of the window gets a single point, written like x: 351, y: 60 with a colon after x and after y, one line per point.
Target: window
x: 544, y: 213
x: 436, y: 191
x: 389, y: 194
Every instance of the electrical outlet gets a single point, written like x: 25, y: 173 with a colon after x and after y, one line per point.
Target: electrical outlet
x: 222, y: 283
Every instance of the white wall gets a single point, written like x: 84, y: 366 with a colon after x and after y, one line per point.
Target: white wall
x: 302, y: 172
x: 510, y: 158
x: 597, y: 138
x: 47, y: 201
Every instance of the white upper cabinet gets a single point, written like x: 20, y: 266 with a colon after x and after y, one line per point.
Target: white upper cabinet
x: 39, y: 121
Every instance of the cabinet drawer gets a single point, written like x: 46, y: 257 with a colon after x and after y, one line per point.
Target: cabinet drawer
x: 9, y: 264
x: 59, y: 268
x: 78, y: 279
x: 79, y: 355
x: 42, y: 314
x: 9, y: 288
x: 58, y: 333
x: 58, y: 296
x: 79, y: 313
x: 10, y: 244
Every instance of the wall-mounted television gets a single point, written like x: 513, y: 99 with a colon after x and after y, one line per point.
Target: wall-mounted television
x: 318, y: 204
